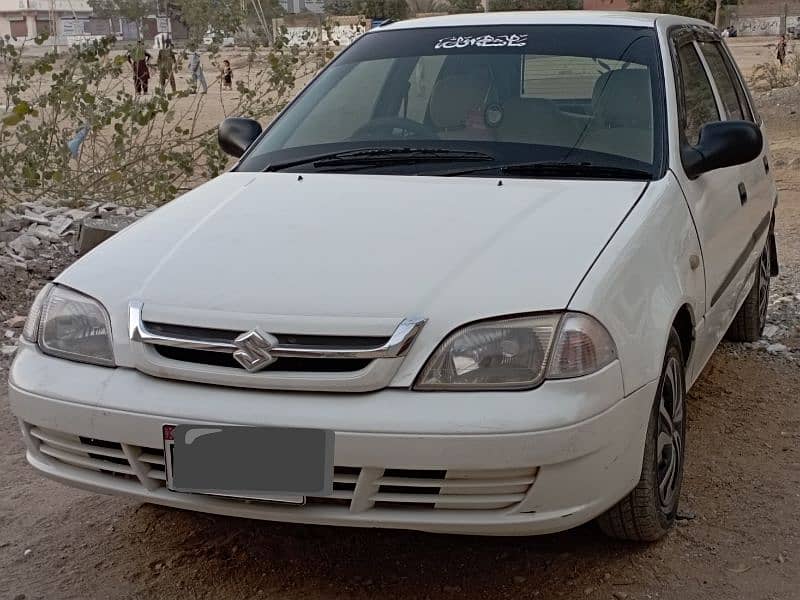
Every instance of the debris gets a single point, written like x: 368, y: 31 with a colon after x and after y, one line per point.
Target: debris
x: 16, y: 322
x: 777, y: 349
x: 620, y: 595
x: 770, y: 331
x: 27, y: 552
x: 520, y: 579
x: 6, y: 350
x: 685, y: 515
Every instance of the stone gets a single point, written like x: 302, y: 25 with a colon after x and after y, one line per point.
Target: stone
x: 61, y: 224
x: 44, y: 233
x: 777, y: 349
x: 27, y: 552
x: 95, y: 230
x: 7, y: 350
x: 620, y: 595
x: 34, y: 218
x: 77, y: 214
x: 24, y: 245
x: 770, y: 331
x: 9, y: 334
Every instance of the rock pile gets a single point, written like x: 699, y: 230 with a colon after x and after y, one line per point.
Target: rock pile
x: 37, y: 241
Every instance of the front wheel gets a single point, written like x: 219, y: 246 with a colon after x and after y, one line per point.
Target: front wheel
x: 648, y: 512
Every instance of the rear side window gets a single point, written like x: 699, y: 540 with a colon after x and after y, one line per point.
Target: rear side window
x: 699, y: 104
x: 731, y: 99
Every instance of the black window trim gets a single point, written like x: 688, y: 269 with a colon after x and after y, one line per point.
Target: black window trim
x: 678, y: 36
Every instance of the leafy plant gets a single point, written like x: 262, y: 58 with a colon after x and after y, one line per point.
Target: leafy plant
x: 772, y: 75
x: 72, y: 130
x: 499, y: 5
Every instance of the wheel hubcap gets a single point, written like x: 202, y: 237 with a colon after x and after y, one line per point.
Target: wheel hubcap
x: 763, y: 288
x: 670, y: 436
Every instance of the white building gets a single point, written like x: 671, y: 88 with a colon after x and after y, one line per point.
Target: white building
x: 22, y: 19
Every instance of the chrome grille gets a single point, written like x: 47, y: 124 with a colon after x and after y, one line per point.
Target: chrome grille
x: 256, y: 359
x: 355, y: 489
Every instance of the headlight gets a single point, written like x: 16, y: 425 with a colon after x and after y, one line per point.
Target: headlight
x: 75, y: 327
x: 31, y: 330
x: 514, y: 354
x: 503, y: 354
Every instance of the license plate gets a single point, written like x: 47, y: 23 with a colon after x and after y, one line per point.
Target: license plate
x: 273, y: 464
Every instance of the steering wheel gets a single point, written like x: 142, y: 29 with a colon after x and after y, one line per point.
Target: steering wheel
x: 384, y: 127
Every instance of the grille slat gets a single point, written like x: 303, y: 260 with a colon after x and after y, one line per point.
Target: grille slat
x: 71, y: 446
x: 87, y: 462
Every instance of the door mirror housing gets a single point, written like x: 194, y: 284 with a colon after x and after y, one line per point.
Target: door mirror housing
x: 236, y: 135
x: 722, y: 144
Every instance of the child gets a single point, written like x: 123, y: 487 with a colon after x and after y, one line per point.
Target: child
x: 227, y: 75
x: 781, y: 54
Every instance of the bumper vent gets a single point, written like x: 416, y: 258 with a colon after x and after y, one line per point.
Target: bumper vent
x: 355, y: 489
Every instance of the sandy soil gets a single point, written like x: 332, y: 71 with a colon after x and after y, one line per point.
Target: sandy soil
x: 741, y: 538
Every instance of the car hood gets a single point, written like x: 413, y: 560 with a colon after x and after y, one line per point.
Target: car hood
x: 367, y: 248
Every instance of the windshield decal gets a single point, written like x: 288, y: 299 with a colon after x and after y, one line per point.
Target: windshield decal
x: 514, y: 40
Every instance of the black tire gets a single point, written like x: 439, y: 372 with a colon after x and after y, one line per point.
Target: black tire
x: 648, y: 512
x: 749, y: 323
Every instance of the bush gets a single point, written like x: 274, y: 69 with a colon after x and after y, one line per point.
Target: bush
x: 136, y: 149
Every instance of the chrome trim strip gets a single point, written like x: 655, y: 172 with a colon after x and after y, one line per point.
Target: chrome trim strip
x: 397, y: 345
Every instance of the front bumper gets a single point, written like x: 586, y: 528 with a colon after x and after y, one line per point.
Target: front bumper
x: 513, y: 463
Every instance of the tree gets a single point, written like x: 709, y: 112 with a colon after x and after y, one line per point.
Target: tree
x: 385, y: 9
x: 131, y: 10
x: 498, y: 5
x: 465, y: 6
x: 699, y: 9
x: 426, y: 6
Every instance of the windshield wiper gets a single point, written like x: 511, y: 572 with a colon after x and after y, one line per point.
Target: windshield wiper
x: 376, y: 156
x: 560, y: 169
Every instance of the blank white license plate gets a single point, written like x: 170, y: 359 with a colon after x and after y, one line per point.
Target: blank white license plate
x: 275, y: 464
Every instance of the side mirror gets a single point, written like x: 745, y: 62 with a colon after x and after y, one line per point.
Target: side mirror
x: 235, y: 135
x: 722, y: 144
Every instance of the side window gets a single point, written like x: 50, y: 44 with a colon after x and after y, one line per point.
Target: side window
x: 699, y: 104
x: 719, y: 71
x: 748, y: 107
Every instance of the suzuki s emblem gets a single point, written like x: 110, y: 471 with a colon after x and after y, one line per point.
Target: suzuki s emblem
x: 254, y: 350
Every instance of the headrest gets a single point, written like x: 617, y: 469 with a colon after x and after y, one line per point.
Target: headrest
x: 456, y: 95
x: 621, y: 98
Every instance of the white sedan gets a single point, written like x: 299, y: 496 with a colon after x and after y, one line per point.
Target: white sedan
x: 462, y: 284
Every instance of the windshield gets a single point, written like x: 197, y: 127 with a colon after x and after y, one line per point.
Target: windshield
x: 572, y: 94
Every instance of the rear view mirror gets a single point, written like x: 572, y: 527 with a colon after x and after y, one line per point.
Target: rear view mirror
x: 235, y: 135
x: 722, y: 144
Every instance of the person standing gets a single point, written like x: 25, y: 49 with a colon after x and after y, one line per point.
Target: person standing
x: 227, y: 75
x: 166, y: 66
x: 139, y: 59
x: 781, y: 52
x: 196, y: 71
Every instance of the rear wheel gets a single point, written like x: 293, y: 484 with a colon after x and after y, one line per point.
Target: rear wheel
x: 648, y: 512
x: 752, y: 317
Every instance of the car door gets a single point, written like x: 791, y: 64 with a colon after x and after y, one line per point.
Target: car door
x: 723, y: 206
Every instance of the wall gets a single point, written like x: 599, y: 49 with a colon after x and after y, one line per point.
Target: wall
x: 764, y: 26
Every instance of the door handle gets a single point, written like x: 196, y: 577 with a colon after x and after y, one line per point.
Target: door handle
x: 742, y: 193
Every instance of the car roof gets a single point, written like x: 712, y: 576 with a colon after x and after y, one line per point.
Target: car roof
x: 546, y: 17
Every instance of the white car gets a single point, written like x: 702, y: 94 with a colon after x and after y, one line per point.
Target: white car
x: 219, y: 38
x: 461, y: 284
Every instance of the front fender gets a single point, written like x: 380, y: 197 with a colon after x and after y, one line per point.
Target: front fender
x: 649, y: 269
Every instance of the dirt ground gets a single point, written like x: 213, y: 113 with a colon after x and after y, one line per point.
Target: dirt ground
x: 740, y: 537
